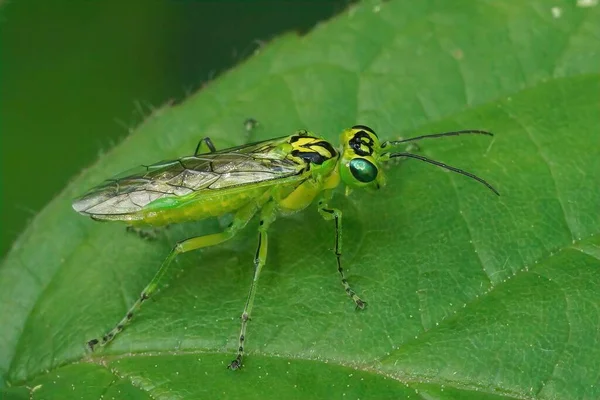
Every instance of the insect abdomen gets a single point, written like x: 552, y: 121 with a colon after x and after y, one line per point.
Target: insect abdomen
x: 194, y: 208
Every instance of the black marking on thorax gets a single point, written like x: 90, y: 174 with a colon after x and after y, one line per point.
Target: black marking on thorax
x: 312, y: 150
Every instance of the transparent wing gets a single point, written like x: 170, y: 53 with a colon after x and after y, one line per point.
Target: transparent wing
x: 256, y: 163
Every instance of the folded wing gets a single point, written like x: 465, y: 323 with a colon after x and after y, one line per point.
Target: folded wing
x: 261, y: 163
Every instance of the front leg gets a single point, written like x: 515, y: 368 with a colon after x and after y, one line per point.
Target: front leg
x: 205, y: 143
x: 336, y: 215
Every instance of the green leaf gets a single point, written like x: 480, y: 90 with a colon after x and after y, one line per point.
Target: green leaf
x: 470, y: 295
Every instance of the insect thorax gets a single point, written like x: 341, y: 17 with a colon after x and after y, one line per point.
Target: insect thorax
x: 318, y: 161
x: 310, y: 150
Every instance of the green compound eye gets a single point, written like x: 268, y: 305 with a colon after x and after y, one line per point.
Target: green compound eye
x: 363, y: 170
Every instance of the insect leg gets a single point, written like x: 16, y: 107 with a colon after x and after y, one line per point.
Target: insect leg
x: 250, y: 124
x: 240, y: 220
x: 266, y: 218
x: 206, y: 141
x: 336, y: 215
x: 144, y: 233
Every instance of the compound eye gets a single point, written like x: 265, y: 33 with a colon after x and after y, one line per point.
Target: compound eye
x: 363, y: 170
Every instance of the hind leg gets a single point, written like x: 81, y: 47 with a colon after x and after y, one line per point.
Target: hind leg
x: 240, y: 220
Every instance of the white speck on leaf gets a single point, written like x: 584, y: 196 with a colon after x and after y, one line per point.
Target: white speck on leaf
x: 587, y: 3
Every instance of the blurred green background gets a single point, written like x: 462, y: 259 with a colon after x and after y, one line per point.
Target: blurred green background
x: 75, y: 76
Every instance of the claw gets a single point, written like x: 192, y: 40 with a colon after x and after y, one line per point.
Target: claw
x: 235, y: 364
x: 360, y: 305
x: 92, y: 343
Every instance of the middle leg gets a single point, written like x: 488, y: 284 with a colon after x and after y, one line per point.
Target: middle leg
x: 267, y: 216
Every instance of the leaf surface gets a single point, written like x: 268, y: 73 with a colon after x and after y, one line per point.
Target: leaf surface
x: 470, y: 295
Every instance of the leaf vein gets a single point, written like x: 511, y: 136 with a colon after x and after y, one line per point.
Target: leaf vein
x: 546, y: 161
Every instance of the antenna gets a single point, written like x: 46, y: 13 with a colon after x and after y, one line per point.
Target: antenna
x: 446, y: 166
x: 436, y: 135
